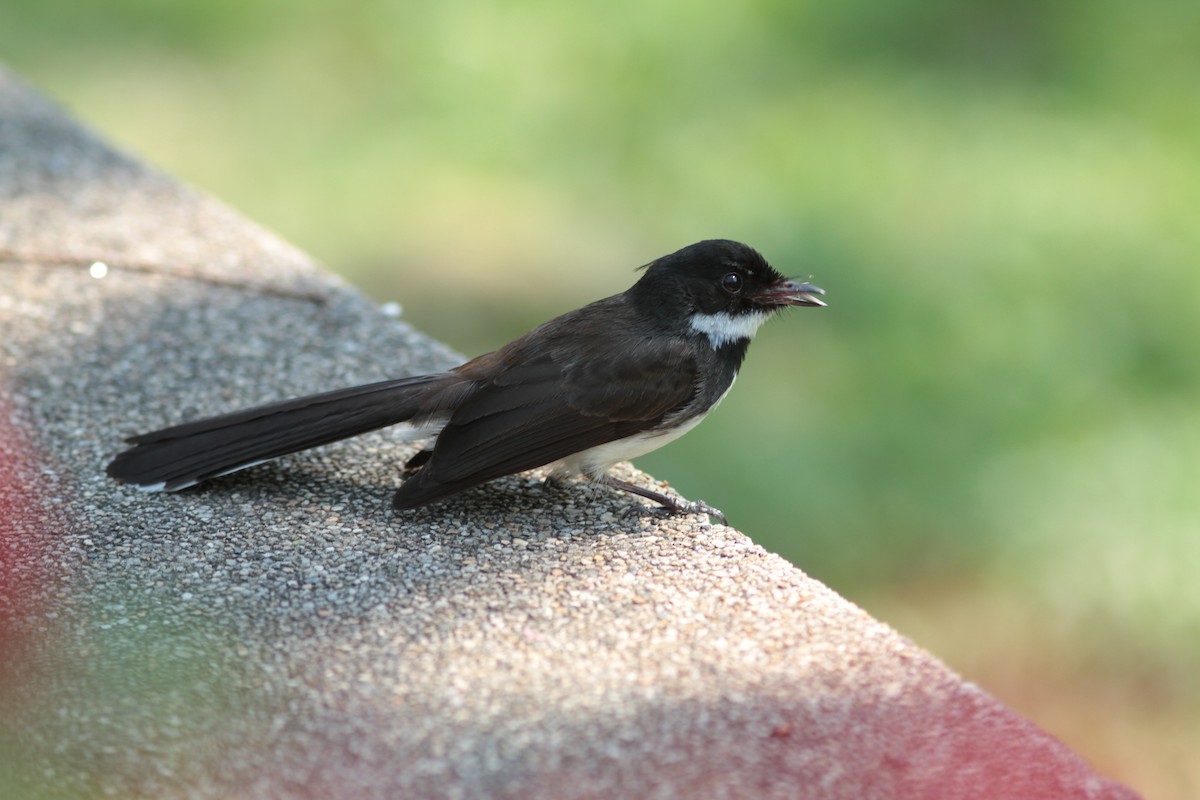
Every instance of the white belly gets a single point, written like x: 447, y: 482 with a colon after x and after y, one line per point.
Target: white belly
x: 595, y: 461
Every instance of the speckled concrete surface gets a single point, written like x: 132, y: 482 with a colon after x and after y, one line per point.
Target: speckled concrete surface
x: 282, y: 634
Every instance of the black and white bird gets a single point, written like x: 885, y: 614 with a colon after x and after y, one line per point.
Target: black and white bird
x: 596, y: 386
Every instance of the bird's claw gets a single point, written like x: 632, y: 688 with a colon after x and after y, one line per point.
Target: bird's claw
x: 695, y: 507
x: 701, y: 507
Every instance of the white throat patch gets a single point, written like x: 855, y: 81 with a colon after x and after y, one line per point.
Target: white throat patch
x: 723, y: 328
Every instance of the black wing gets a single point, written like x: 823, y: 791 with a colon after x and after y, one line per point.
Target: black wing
x: 538, y: 411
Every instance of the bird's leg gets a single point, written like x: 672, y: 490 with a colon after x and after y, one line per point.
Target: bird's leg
x: 669, y: 503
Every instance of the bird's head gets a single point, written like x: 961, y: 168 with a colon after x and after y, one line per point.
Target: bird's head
x: 724, y: 289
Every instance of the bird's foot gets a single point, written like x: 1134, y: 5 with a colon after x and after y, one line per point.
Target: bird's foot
x: 669, y: 504
x: 698, y: 507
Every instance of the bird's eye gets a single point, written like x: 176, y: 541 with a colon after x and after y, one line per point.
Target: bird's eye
x: 732, y: 283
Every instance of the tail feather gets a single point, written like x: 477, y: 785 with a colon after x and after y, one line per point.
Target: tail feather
x: 183, y: 455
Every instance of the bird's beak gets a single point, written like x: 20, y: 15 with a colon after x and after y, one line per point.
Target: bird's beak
x: 791, y: 292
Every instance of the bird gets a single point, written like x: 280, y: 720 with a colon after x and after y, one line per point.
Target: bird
x: 596, y: 386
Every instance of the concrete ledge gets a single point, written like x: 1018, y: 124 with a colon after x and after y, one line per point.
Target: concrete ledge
x: 282, y: 634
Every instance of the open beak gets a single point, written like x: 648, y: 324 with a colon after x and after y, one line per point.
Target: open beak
x: 791, y: 292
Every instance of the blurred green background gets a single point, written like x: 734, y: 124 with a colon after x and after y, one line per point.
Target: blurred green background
x: 991, y: 439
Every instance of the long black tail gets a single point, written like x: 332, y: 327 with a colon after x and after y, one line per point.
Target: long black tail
x: 178, y: 457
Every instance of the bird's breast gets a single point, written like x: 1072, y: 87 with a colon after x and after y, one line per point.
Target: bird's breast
x: 595, y: 461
